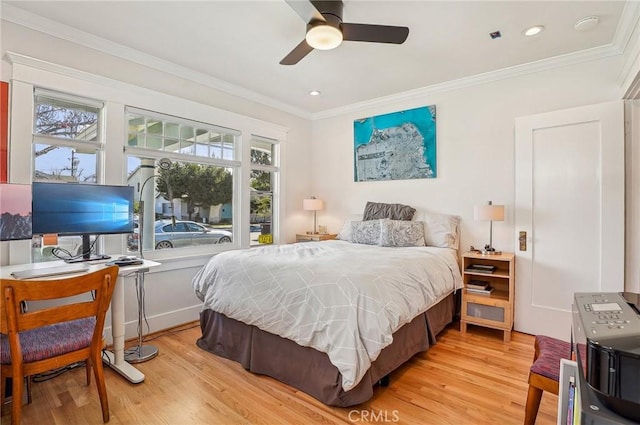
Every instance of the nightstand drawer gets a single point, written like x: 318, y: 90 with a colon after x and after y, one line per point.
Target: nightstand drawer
x: 486, y: 312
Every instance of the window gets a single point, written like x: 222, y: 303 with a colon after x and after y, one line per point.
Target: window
x: 66, y: 138
x: 262, y: 184
x: 67, y: 144
x: 184, y: 173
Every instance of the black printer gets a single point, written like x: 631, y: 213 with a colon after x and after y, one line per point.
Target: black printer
x: 606, y: 333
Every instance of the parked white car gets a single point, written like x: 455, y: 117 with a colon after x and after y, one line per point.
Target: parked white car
x: 182, y: 233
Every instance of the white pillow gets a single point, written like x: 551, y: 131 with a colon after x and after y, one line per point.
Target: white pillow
x: 345, y: 232
x: 441, y: 230
x: 402, y: 233
x: 366, y: 232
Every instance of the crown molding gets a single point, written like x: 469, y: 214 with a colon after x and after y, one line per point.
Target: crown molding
x: 627, y: 25
x: 633, y: 92
x: 628, y: 36
x: 21, y: 17
x: 54, y: 68
x: 624, y: 42
x: 475, y: 80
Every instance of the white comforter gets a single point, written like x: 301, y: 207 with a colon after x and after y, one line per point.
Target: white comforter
x: 340, y: 298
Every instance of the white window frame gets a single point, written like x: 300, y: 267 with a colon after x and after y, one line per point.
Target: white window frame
x: 97, y: 145
x: 28, y: 73
x: 156, y: 154
x: 274, y: 169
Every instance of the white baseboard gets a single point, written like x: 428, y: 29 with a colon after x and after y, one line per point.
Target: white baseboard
x: 157, y: 323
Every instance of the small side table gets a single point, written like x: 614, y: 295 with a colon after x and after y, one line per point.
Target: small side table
x: 495, y: 309
x: 315, y: 237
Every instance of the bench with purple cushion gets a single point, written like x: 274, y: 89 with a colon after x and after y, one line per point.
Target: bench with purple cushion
x: 544, y: 374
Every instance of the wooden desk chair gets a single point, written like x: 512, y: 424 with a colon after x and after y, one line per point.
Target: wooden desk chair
x: 45, y: 339
x: 544, y: 374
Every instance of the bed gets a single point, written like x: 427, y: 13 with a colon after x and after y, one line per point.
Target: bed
x: 329, y: 318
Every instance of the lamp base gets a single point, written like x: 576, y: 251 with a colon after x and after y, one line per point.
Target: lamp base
x: 490, y: 250
x: 485, y: 252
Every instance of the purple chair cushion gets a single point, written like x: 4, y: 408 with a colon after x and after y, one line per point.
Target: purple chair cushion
x: 550, y: 351
x: 50, y: 341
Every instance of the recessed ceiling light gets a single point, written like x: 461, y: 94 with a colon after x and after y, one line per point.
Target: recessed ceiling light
x: 531, y: 31
x: 315, y: 92
x: 586, y: 23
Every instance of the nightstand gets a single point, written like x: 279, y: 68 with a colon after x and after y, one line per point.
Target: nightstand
x: 315, y: 237
x: 494, y: 308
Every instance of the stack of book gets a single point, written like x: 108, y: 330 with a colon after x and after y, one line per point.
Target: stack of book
x: 481, y: 268
x: 479, y: 287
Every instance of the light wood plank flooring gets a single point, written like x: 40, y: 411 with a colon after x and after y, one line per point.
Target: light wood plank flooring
x: 473, y: 378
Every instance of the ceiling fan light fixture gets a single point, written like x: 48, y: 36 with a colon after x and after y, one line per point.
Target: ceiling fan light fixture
x: 324, y: 37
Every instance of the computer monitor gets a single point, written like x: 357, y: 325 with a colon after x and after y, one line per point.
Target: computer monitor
x: 82, y: 209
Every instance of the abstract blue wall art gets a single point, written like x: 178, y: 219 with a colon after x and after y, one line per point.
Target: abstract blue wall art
x: 396, y: 146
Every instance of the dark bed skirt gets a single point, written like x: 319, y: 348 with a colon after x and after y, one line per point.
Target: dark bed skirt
x: 310, y: 370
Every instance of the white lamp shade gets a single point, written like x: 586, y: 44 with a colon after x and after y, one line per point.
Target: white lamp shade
x: 312, y: 204
x: 488, y: 212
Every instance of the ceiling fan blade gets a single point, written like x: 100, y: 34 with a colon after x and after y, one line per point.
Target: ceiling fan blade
x: 298, y: 52
x: 305, y: 10
x: 375, y: 33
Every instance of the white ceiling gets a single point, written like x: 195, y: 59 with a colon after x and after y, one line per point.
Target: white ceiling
x: 236, y: 45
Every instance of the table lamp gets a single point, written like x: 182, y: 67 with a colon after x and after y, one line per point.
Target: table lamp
x: 312, y: 204
x: 490, y: 213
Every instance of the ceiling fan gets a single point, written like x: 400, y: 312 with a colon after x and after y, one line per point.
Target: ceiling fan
x: 325, y: 29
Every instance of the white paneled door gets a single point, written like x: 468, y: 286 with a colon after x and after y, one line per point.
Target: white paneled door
x: 570, y: 202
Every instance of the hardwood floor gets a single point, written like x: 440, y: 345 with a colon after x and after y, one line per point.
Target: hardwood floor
x: 473, y: 378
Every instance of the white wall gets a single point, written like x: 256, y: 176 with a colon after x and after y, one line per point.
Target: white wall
x: 475, y: 147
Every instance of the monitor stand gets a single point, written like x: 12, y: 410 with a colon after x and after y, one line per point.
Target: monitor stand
x: 86, y: 252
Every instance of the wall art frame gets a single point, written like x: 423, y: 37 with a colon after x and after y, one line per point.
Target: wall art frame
x: 396, y: 146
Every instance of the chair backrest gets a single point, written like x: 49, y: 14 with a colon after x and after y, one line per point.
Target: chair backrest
x: 101, y: 283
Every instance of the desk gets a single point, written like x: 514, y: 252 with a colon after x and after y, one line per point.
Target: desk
x: 114, y: 359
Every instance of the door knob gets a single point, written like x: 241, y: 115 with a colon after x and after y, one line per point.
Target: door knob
x: 523, y: 241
